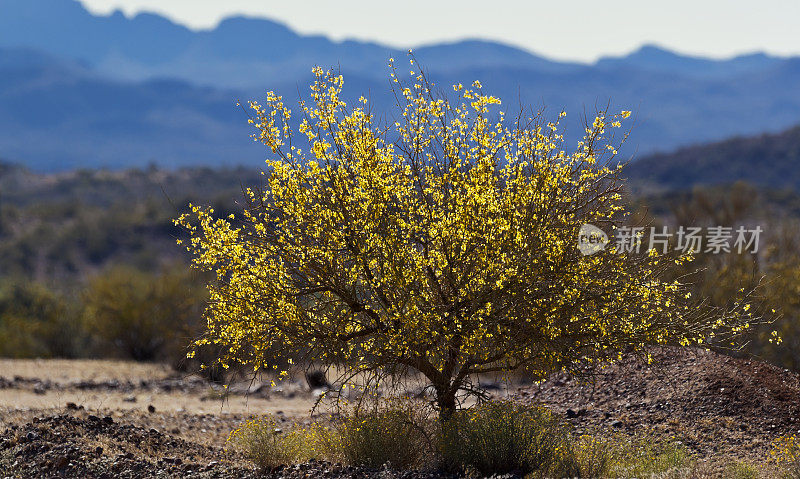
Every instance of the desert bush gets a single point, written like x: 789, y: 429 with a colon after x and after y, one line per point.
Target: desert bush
x: 588, y: 456
x: 37, y: 322
x: 506, y: 437
x: 645, y: 458
x: 267, y: 445
x: 393, y: 432
x: 742, y: 470
x: 442, y: 244
x: 141, y: 315
x: 496, y: 437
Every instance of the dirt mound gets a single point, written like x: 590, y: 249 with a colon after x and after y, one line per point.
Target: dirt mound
x: 712, y: 402
x: 99, y: 447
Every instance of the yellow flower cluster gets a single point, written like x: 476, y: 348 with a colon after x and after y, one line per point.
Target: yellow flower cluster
x: 786, y: 450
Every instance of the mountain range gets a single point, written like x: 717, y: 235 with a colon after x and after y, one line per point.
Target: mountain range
x: 766, y: 161
x: 81, y: 90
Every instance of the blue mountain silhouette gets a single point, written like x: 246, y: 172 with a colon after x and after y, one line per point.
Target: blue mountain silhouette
x: 80, y: 90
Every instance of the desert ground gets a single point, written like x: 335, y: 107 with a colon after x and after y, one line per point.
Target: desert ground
x: 103, y: 419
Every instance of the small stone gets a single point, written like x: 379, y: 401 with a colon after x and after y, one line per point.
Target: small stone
x: 60, y: 462
x: 129, y: 399
x: 151, y: 409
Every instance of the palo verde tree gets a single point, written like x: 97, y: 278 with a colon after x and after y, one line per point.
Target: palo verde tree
x: 441, y: 244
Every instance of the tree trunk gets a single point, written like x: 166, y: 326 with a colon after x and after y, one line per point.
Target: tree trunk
x: 446, y: 401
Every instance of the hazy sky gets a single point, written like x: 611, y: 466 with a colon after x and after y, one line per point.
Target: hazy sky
x: 562, y: 29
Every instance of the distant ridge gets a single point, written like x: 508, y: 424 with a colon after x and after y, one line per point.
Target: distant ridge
x: 769, y: 160
x: 656, y: 59
x: 79, y: 90
x: 148, y: 45
x: 240, y: 52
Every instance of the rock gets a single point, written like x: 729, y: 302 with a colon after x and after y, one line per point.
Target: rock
x: 616, y: 423
x: 571, y: 413
x: 129, y: 399
x: 151, y: 409
x: 317, y: 380
x: 60, y: 462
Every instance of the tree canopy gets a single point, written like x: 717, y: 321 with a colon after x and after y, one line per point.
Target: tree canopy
x: 442, y: 242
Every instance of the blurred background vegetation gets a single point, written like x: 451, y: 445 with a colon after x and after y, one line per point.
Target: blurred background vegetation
x: 89, y: 265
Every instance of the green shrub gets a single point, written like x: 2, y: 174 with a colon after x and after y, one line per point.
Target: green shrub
x: 143, y: 316
x: 502, y: 437
x: 742, y: 470
x: 644, y: 458
x: 392, y: 432
x: 388, y: 433
x: 36, y: 322
x: 505, y: 437
x: 498, y: 437
x: 587, y: 456
x: 267, y: 445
